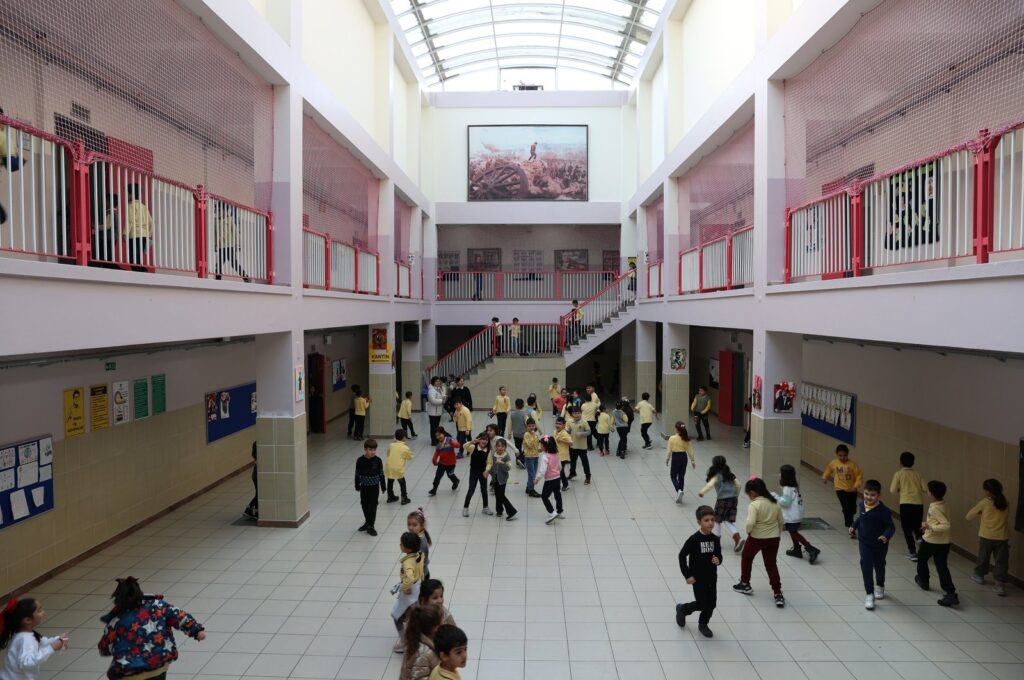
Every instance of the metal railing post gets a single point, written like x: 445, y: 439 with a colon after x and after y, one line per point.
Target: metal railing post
x: 80, y: 204
x: 984, y: 194
x: 787, y: 272
x: 327, y: 261
x: 270, y: 248
x: 856, y: 192
x: 355, y: 282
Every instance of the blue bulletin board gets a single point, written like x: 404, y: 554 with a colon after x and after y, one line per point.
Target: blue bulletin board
x: 26, y: 480
x: 229, y: 411
x: 831, y: 412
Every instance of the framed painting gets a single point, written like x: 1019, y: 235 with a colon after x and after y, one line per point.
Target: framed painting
x: 483, y: 259
x: 528, y: 163
x: 572, y: 260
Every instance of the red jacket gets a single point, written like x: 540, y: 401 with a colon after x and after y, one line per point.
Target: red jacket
x: 444, y: 454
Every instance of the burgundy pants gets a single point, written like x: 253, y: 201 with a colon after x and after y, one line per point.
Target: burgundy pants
x: 769, y: 549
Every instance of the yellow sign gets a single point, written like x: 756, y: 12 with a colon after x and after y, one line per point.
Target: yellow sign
x: 74, y: 412
x: 380, y: 348
x: 99, y: 408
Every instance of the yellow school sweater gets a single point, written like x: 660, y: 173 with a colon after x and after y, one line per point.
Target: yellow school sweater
x: 360, y: 405
x: 554, y: 390
x: 441, y: 674
x: 846, y: 476
x: 937, y: 523
x: 464, y: 420
x: 764, y: 519
x: 564, y: 441
x: 502, y: 404
x: 398, y: 454
x: 579, y: 430
x: 677, y: 445
x: 909, y: 485
x: 589, y: 410
x: 531, y: 444
x: 605, y: 423
x: 138, y: 221
x: 405, y: 410
x: 646, y: 411
x: 993, y: 521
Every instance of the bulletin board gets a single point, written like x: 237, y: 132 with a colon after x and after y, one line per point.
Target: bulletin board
x: 26, y: 480
x: 829, y: 411
x: 229, y: 411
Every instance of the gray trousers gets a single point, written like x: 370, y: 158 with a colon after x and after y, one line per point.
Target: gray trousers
x: 999, y: 552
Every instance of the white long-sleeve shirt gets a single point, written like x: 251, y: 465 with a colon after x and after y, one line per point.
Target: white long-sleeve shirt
x: 435, y: 401
x: 24, y: 655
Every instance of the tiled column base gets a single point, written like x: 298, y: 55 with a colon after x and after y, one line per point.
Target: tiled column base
x: 773, y: 442
x: 380, y: 423
x: 675, y: 400
x: 646, y: 378
x: 282, y: 478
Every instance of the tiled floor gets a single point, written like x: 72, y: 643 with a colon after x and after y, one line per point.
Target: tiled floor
x: 590, y: 597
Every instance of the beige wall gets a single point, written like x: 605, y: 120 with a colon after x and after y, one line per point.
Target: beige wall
x: 520, y: 376
x: 352, y: 345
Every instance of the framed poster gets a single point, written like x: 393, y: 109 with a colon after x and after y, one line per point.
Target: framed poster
x: 449, y: 260
x: 783, y: 396
x: 527, y: 163
x: 572, y: 260
x: 677, y: 359
x: 610, y: 260
x: 913, y: 211
x: 483, y: 259
x: 380, y: 348
x: 527, y: 260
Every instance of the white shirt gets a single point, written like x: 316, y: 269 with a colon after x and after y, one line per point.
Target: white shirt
x: 23, y: 656
x: 435, y: 401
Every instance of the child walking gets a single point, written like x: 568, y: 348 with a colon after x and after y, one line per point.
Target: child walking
x: 621, y: 421
x: 564, y: 441
x: 407, y: 590
x: 369, y: 484
x: 579, y: 430
x: 445, y: 459
x: 723, y: 481
x: 605, y: 425
x: 548, y: 472
x: 499, y: 464
x: 792, y: 504
x: 645, y: 414
x: 873, y: 529
x: 502, y: 405
x: 452, y: 649
x: 993, y: 536
x: 764, y: 526
x: 531, y: 449
x: 698, y: 561
x: 909, y: 485
x: 478, y: 451
x: 416, y: 523
x: 398, y: 454
x: 24, y: 649
x: 405, y: 415
x: 517, y: 427
x: 679, y: 449
x: 935, y: 545
x: 847, y: 478
x: 359, y: 406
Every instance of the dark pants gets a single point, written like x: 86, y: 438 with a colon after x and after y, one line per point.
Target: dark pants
x: 643, y: 433
x: 999, y: 551
x: 551, y: 486
x: 911, y: 516
x: 368, y: 496
x: 229, y: 255
x: 476, y: 477
x: 435, y: 422
x: 593, y: 434
x: 357, y: 429
x: 677, y: 472
x: 848, y: 502
x: 351, y: 420
x: 407, y: 426
x: 746, y: 436
x: 794, y: 534
x: 872, y: 559
x: 462, y: 438
x: 138, y: 253
x: 940, y: 553
x: 443, y: 470
x: 501, y: 501
x: 702, y: 419
x: 564, y: 478
x: 575, y: 455
x: 623, y: 435
x: 705, y: 599
x: 602, y: 442
x: 401, y: 485
x: 769, y: 549
x: 502, y: 421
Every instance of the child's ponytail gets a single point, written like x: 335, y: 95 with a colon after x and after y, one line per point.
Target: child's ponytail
x: 995, y: 487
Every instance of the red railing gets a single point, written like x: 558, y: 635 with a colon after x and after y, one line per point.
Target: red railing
x: 576, y: 324
x: 331, y: 264
x: 529, y: 285
x: 723, y: 263
x: 654, y: 279
x: 466, y: 356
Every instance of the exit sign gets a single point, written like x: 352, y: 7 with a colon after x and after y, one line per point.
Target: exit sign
x: 111, y: 366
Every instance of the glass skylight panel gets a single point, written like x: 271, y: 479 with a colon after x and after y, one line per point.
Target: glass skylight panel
x: 649, y: 19
x: 527, y: 40
x: 610, y: 51
x: 469, y: 47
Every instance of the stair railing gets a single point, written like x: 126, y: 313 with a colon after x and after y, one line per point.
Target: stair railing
x: 577, y: 323
x: 466, y: 356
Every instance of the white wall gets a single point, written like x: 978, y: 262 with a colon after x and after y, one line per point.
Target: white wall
x: 659, y: 97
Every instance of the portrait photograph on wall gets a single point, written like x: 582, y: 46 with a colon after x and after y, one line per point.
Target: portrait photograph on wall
x: 572, y: 260
x: 528, y: 163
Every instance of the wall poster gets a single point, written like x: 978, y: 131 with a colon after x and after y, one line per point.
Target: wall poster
x: 572, y: 260
x: 677, y: 359
x: 121, y: 399
x: 229, y: 410
x: 99, y: 408
x: 140, y: 398
x: 713, y: 372
x: 26, y: 479
x: 755, y: 396
x: 339, y: 374
x: 783, y: 396
x: 449, y: 260
x: 527, y: 163
x: 159, y: 383
x: 300, y: 384
x: 483, y: 259
x: 829, y: 411
x: 380, y: 349
x: 74, y: 412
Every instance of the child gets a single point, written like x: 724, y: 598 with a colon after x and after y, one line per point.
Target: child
x: 622, y: 427
x: 589, y: 406
x: 764, y: 526
x: 398, y: 454
x: 935, y: 544
x: 253, y: 509
x: 548, y: 469
x: 575, y: 323
x: 558, y: 403
x: 463, y: 425
x: 405, y: 415
x: 420, y: 658
x: 579, y: 430
x: 699, y: 560
x: 407, y: 590
x: 993, y: 536
x: 747, y: 412
x: 478, y: 452
x: 555, y: 391
x: 873, y: 528
x: 499, y: 339
x: 24, y: 649
x: 723, y: 481
x: 416, y: 523
x: 139, y: 632
x: 700, y: 407
x: 513, y: 336
x: 909, y: 485
x: 369, y: 478
x: 679, y: 448
x: 502, y: 405
x: 564, y: 441
x: 138, y: 224
x: 531, y: 449
x: 517, y: 425
x: 646, y: 412
x: 451, y: 646
x: 792, y: 504
x: 445, y: 459
x: 847, y: 478
x: 605, y: 425
x: 432, y: 592
x: 359, y: 406
x: 499, y: 464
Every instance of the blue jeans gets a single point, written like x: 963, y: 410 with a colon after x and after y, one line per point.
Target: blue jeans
x: 531, y: 472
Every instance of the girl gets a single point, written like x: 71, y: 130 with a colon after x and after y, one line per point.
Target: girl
x: 499, y: 464
x: 407, y: 591
x: 478, y: 451
x: 563, y: 440
x: 25, y: 649
x: 432, y: 592
x: 764, y: 526
x: 723, y: 481
x: 622, y: 427
x: 548, y: 470
x: 416, y: 522
x: 792, y: 504
x: 140, y: 632
x: 420, y: 658
x: 993, y: 536
x: 679, y: 448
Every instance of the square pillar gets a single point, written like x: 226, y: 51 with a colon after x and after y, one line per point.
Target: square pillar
x: 769, y: 185
x: 286, y: 190
x: 641, y: 250
x: 675, y: 381
x: 627, y: 243
x: 416, y: 252
x: 627, y: 363
x: 412, y: 365
x: 429, y: 258
x: 386, y: 237
x: 380, y: 421
x: 775, y: 437
x: 646, y: 345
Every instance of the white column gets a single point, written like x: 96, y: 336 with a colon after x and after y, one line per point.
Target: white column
x: 775, y: 437
x: 412, y: 364
x: 386, y: 236
x: 675, y: 382
x: 769, y: 185
x: 429, y: 258
x: 286, y: 192
x: 416, y: 250
x: 381, y: 420
x: 641, y: 250
x: 670, y: 248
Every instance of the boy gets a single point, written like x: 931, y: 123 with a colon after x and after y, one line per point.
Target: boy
x: 398, y: 454
x: 558, y: 403
x: 498, y: 335
x: 517, y: 423
x: 564, y: 441
x: 555, y: 391
x: 451, y: 647
x: 359, y: 405
x: 699, y: 560
x: 605, y: 425
x: 463, y: 424
x: 513, y: 336
x: 369, y: 484
x: 589, y: 408
x: 935, y: 545
x: 405, y: 415
x: 646, y: 413
x: 478, y: 452
x: 531, y: 450
x: 502, y: 405
x: 579, y: 430
x: 847, y: 478
x: 575, y: 323
x: 909, y: 485
x: 138, y: 224
x: 700, y: 407
x: 445, y: 460
x: 873, y: 529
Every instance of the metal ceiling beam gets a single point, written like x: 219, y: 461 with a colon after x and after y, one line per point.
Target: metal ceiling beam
x: 417, y: 11
x: 634, y: 21
x: 639, y: 37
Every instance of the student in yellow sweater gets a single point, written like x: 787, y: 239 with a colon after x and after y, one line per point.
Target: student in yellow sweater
x: 935, y: 545
x: 605, y: 425
x: 394, y: 469
x: 451, y: 645
x: 909, y: 485
x: 679, y: 449
x: 764, y: 527
x: 359, y: 406
x: 993, y: 536
x: 405, y: 415
x: 531, y: 451
x: 502, y: 405
x: 588, y: 407
x: 463, y: 424
x: 564, y: 441
x: 847, y: 478
x: 554, y: 391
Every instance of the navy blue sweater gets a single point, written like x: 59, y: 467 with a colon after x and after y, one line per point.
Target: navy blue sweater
x: 871, y: 525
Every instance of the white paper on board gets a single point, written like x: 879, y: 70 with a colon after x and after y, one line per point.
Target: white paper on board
x: 28, y: 452
x: 19, y: 505
x: 28, y: 474
x: 7, y: 458
x: 45, y: 473
x: 6, y: 479
x: 46, y: 451
x: 39, y: 496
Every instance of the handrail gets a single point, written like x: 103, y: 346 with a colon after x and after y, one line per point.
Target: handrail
x: 428, y: 371
x: 593, y: 297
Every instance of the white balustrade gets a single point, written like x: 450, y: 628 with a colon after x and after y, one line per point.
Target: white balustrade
x: 743, y: 257
x: 1008, y: 232
x: 343, y: 266
x: 35, y: 214
x: 368, y: 273
x: 314, y: 248
x: 820, y: 238
x: 236, y: 240
x: 714, y: 273
x: 689, y: 265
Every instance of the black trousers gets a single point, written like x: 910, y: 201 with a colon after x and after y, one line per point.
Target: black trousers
x: 501, y: 501
x: 552, y: 487
x: 357, y: 429
x: 848, y: 502
x: 623, y: 435
x: 401, y: 486
x: 229, y: 255
x: 581, y: 455
x: 872, y: 563
x: 705, y: 599
x: 702, y: 419
x: 476, y: 477
x: 564, y: 478
x: 911, y: 516
x: 643, y: 433
x: 677, y: 470
x: 502, y: 421
x: 602, y: 442
x: 368, y: 496
x: 435, y: 422
x: 443, y: 470
x: 593, y: 434
x: 407, y: 426
x: 940, y: 553
x: 351, y: 420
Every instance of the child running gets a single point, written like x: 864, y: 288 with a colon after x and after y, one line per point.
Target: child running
x: 993, y: 536
x: 645, y: 411
x: 24, y: 649
x: 405, y: 415
x: 463, y: 425
x: 499, y: 465
x: 445, y: 459
x: 416, y: 523
x: 698, y: 561
x: 621, y: 421
x: 935, y: 545
x: 723, y: 481
x: 764, y: 526
x: 579, y: 430
x: 847, y: 478
x: 452, y: 649
x: 564, y: 441
x: 407, y: 590
x: 679, y: 449
x: 605, y: 425
x: 370, y: 484
x: 420, y: 658
x: 531, y: 449
x: 873, y: 529
x: 478, y: 451
x: 909, y: 485
x: 548, y: 472
x: 399, y: 454
x: 792, y: 504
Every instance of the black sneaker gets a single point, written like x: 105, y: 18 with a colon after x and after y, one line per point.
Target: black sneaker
x: 744, y: 588
x: 455, y: 485
x: 392, y: 499
x: 363, y: 528
x: 949, y: 600
x: 534, y: 494
x: 700, y: 439
x: 681, y: 615
x: 432, y: 492
x: 406, y: 501
x: 780, y: 601
x: 371, y: 531
x: 705, y: 631
x: 812, y: 554
x: 923, y: 585
x: 796, y: 552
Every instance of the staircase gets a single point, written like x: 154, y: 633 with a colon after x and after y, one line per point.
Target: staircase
x: 611, y: 324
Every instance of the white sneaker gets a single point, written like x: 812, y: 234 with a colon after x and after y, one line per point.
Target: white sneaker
x: 465, y: 512
x: 561, y: 515
x: 488, y: 511
x: 679, y: 496
x: 869, y: 602
x: 552, y: 516
x: 980, y: 580
x: 879, y: 592
x: 999, y: 589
